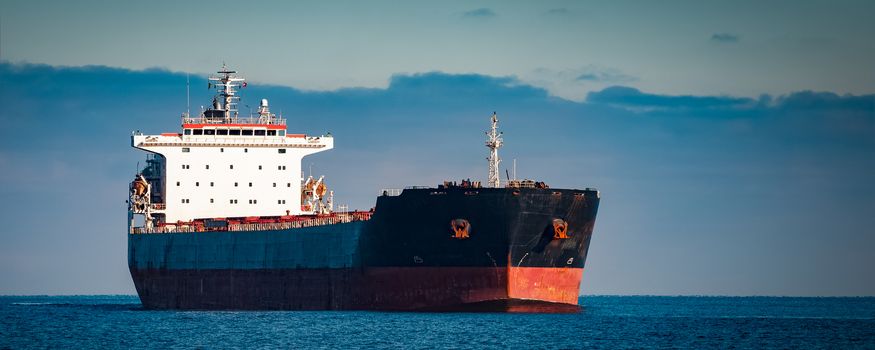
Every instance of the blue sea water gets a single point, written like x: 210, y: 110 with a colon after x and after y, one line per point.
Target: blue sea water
x: 604, y: 322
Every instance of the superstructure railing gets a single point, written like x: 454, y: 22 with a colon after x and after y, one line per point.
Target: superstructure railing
x: 390, y: 192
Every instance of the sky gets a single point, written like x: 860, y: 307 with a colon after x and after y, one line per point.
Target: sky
x: 733, y: 142
x: 570, y: 48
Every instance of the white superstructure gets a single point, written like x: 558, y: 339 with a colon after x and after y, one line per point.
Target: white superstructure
x: 225, y: 166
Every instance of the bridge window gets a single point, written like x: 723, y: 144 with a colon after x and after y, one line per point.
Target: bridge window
x: 259, y: 132
x: 187, y: 131
x: 247, y: 132
x: 271, y: 133
x: 234, y: 132
x: 281, y: 132
x: 210, y: 132
x: 222, y: 132
x: 197, y: 132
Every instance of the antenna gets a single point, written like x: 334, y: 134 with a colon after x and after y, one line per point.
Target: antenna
x: 187, y: 96
x: 514, y: 168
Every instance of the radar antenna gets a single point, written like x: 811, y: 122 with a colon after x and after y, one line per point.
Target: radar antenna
x: 494, y: 142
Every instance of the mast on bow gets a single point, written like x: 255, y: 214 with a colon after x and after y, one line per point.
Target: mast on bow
x: 494, y: 142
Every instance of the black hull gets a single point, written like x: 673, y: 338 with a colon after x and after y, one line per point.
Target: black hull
x: 411, y: 255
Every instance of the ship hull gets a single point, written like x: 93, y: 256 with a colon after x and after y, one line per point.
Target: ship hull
x: 401, y: 289
x: 410, y: 256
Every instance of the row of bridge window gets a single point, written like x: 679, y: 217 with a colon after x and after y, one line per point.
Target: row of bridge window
x: 234, y: 132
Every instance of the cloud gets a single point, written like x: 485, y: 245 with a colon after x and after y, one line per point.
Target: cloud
x: 604, y: 76
x: 574, y: 83
x: 725, y: 38
x: 812, y: 100
x: 588, y: 77
x: 632, y: 98
x: 482, y: 12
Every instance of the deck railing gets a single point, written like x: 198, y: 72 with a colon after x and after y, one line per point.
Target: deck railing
x: 338, y: 218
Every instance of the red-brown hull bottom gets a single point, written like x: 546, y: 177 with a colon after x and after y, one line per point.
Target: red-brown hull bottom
x: 517, y: 289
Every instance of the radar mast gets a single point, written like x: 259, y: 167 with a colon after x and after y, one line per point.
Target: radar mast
x: 224, y: 108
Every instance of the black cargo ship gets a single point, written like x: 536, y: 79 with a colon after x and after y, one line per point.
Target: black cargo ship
x: 517, y: 247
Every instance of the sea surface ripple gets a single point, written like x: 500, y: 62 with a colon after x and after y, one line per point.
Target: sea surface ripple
x: 604, y: 322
